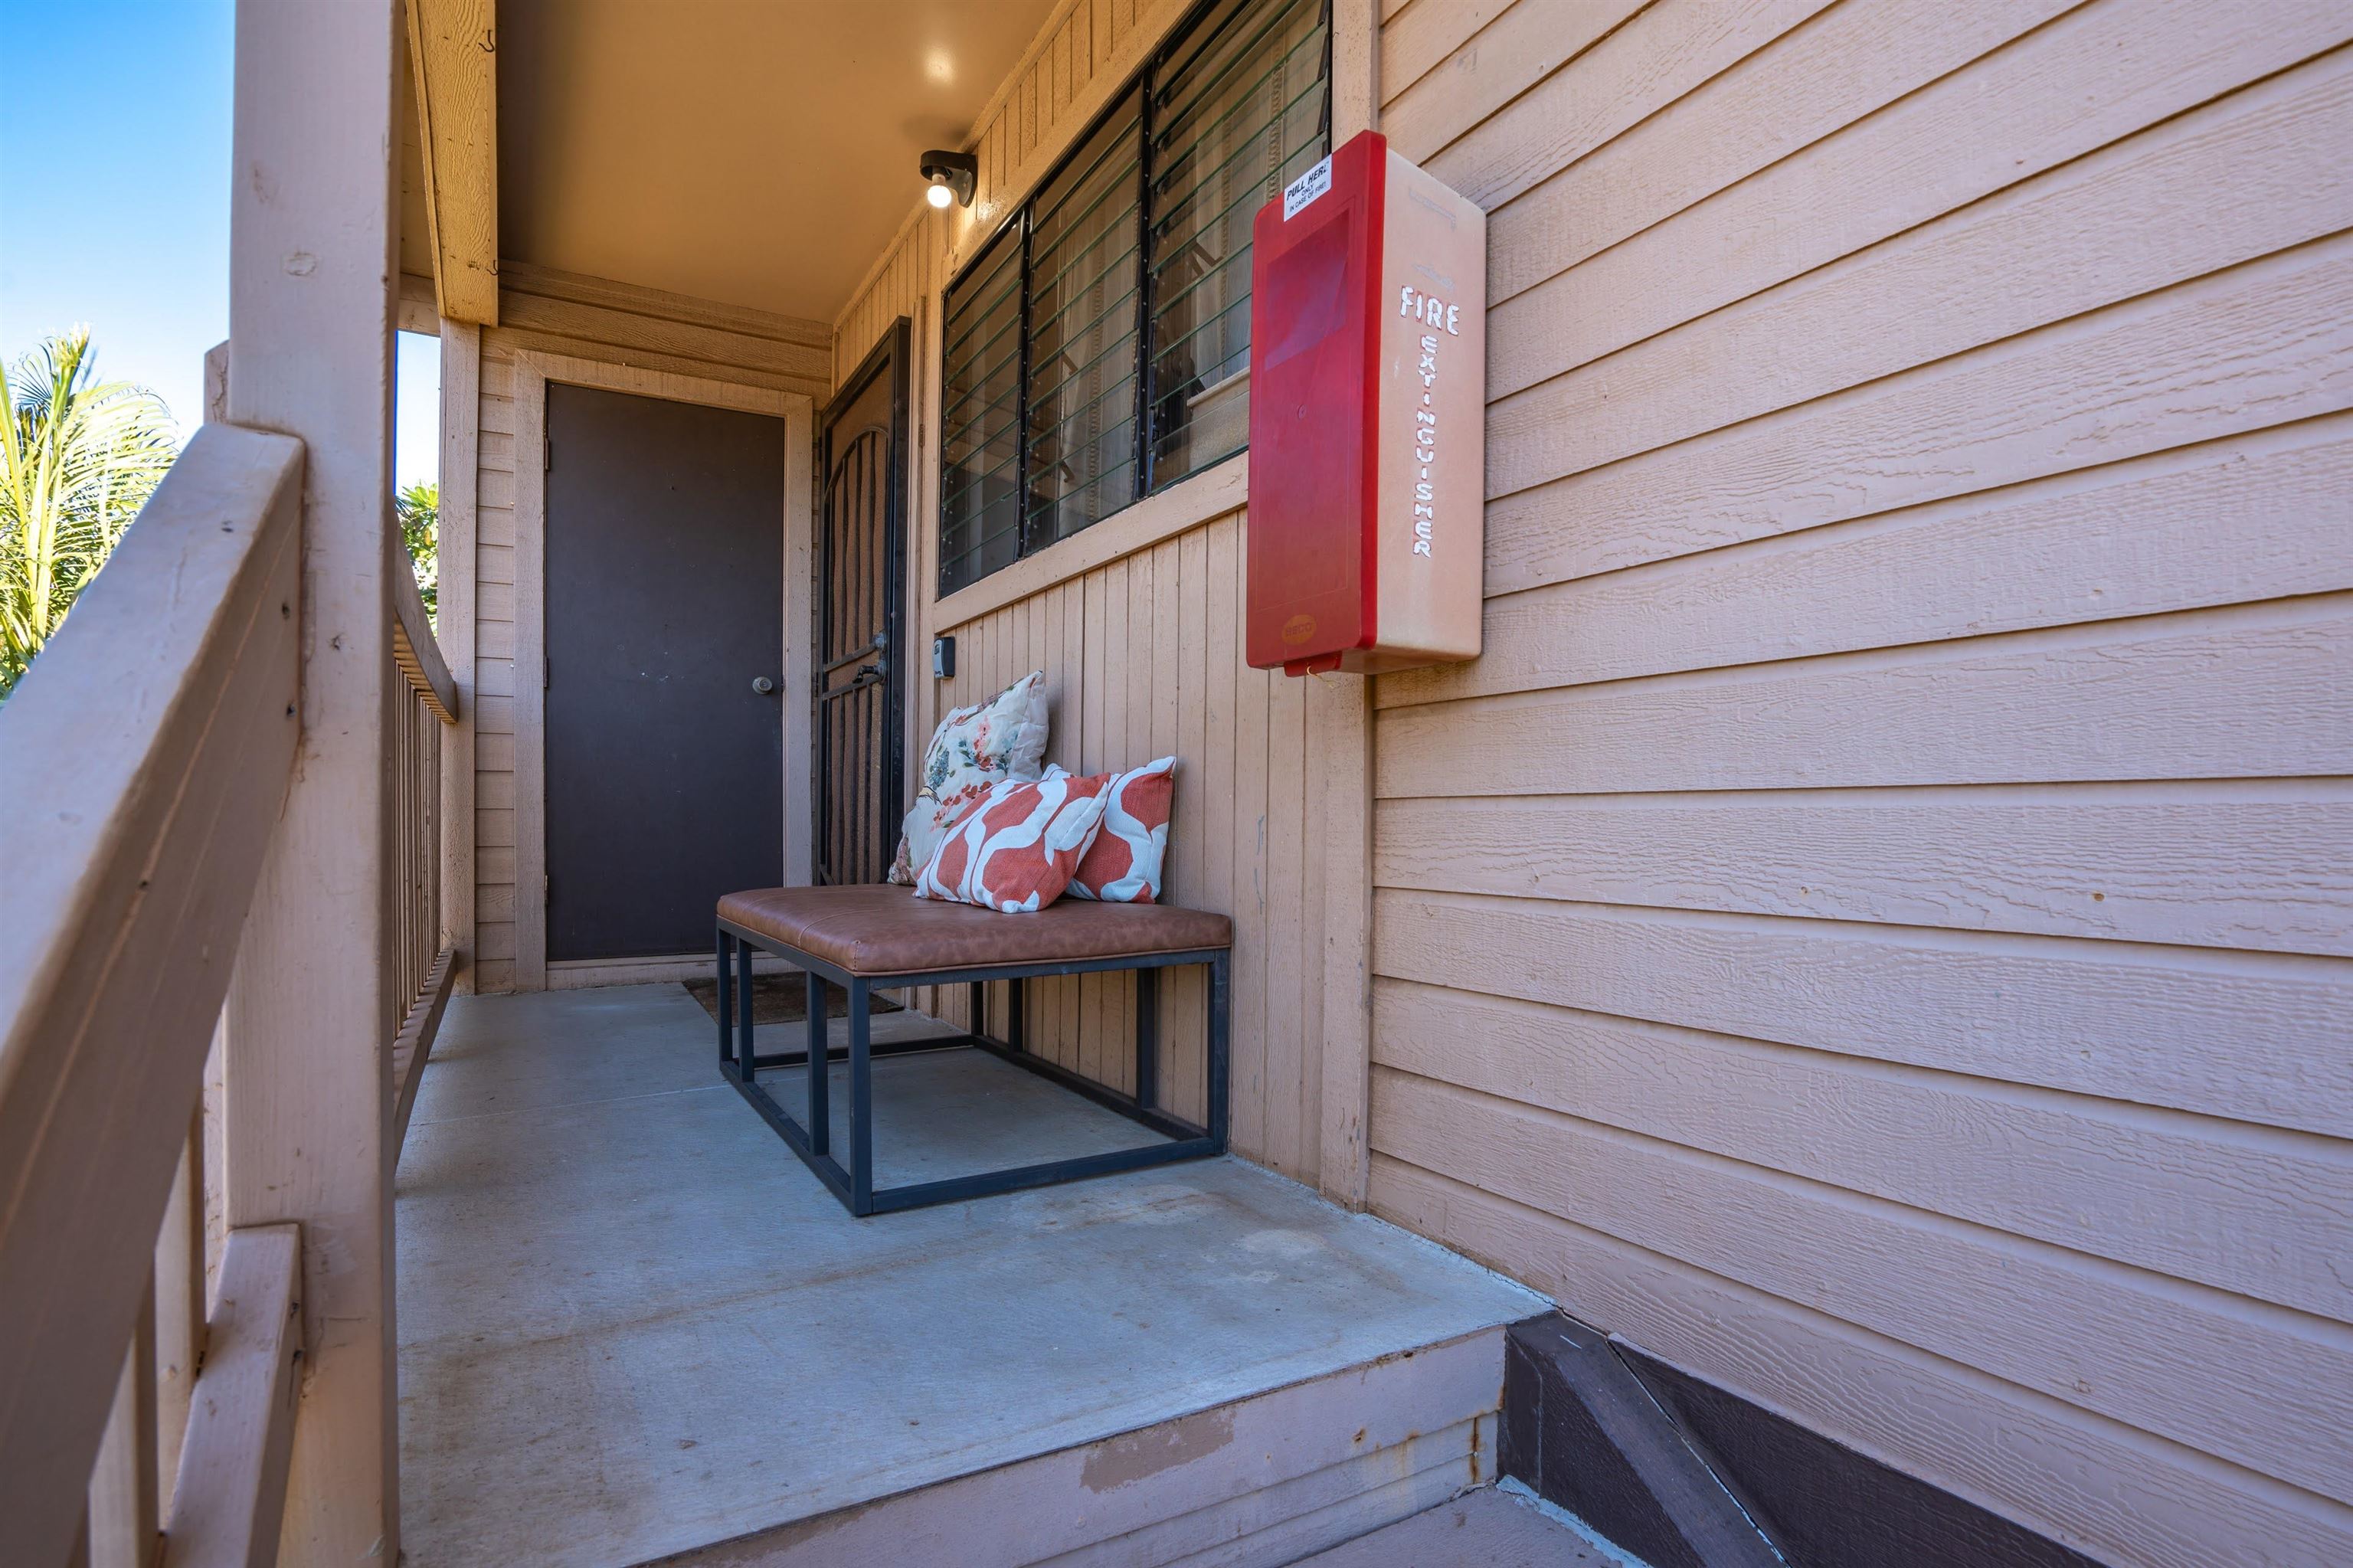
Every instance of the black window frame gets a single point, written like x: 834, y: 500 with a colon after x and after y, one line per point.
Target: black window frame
x: 1041, y: 522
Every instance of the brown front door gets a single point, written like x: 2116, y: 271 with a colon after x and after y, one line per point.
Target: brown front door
x: 665, y: 610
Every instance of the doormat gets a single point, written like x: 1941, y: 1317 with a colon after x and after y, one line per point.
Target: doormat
x: 782, y: 998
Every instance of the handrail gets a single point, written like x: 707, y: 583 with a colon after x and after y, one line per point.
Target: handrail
x: 144, y: 759
x: 415, y: 651
x: 413, y: 1043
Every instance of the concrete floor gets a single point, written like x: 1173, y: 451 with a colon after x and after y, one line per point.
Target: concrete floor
x: 632, y: 1323
x: 955, y: 1113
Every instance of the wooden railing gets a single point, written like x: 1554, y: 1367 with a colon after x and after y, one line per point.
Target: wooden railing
x: 143, y: 763
x: 423, y: 963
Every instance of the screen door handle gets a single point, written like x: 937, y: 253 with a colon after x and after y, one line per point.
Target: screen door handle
x: 762, y: 684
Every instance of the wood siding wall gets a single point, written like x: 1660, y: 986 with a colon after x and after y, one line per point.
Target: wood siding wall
x: 587, y: 318
x: 1874, y: 928
x: 494, y: 675
x: 1142, y: 658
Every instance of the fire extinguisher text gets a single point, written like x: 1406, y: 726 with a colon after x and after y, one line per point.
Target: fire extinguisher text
x: 1430, y: 310
x: 1425, y: 438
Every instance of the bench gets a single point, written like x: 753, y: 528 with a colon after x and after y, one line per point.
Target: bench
x: 867, y: 938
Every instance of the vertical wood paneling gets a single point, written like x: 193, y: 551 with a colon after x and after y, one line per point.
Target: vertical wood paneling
x: 1253, y: 1086
x: 1286, y: 898
x: 1209, y: 776
x: 1188, y: 1013
x: 1143, y: 659
x: 1096, y: 1011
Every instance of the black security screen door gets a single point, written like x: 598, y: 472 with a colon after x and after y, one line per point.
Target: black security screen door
x: 860, y: 591
x: 664, y: 606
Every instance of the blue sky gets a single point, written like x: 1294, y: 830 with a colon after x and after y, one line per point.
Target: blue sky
x: 114, y: 196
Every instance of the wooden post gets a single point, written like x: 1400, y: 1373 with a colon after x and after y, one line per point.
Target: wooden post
x: 1340, y: 739
x: 461, y: 419
x: 312, y: 297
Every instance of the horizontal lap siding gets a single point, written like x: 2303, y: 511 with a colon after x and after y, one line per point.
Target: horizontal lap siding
x: 1874, y: 926
x: 494, y: 645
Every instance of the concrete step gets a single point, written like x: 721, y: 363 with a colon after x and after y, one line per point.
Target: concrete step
x: 1490, y: 1528
x: 1258, y: 1482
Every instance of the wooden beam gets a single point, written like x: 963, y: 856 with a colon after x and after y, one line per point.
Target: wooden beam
x: 230, y: 1495
x: 143, y: 759
x: 453, y: 52
x: 645, y: 332
x: 1181, y: 507
x: 420, y: 310
x: 635, y: 299
x: 461, y: 421
x: 312, y: 1012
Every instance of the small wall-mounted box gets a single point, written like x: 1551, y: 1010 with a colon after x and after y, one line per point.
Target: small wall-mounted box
x: 1369, y: 372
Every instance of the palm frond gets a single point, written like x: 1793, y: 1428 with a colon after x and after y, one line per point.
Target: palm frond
x: 79, y: 458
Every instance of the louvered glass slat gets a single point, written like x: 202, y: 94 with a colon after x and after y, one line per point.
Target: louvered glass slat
x: 980, y: 404
x: 1056, y: 410
x: 1239, y: 111
x: 1084, y: 270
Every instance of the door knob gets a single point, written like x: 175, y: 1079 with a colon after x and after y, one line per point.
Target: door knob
x: 762, y: 684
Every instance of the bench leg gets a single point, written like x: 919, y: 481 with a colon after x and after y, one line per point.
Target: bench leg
x: 726, y: 999
x: 861, y: 1103
x: 821, y: 1068
x: 745, y: 1051
x: 1147, y: 1038
x: 1221, y: 1000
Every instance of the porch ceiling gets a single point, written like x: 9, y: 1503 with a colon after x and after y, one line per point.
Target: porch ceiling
x: 758, y: 153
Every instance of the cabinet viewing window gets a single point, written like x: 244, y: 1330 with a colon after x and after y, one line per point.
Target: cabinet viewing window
x: 1098, y: 347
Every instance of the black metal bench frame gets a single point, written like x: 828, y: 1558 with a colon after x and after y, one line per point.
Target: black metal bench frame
x: 854, y: 1184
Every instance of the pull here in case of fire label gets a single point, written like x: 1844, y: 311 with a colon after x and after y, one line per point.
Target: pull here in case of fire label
x: 1366, y: 533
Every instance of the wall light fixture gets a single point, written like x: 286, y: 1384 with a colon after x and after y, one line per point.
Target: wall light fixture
x: 952, y: 175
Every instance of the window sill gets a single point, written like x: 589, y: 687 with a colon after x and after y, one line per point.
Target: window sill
x: 1209, y: 494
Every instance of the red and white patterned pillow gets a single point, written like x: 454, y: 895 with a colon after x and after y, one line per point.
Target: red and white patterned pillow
x: 973, y: 748
x: 1122, y: 865
x: 1015, y: 851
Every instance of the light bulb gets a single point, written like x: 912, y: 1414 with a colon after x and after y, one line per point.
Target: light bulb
x: 939, y: 195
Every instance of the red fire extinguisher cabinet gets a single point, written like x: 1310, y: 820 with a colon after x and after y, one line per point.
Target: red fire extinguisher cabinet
x: 1368, y: 418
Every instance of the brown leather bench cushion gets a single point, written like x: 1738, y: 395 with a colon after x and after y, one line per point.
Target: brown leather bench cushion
x: 879, y: 929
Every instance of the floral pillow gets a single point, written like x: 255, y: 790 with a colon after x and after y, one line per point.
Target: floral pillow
x: 1015, y: 851
x: 973, y: 748
x: 1122, y: 865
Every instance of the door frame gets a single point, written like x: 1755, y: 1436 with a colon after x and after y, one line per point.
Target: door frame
x: 532, y: 371
x: 892, y: 350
